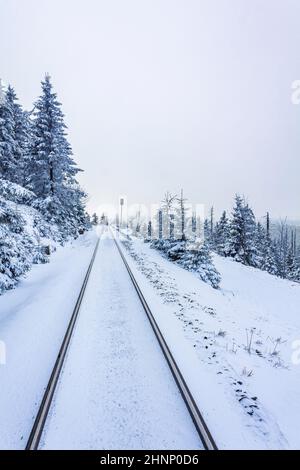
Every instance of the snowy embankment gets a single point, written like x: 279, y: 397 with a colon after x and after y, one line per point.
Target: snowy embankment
x: 234, y: 345
x: 33, y: 321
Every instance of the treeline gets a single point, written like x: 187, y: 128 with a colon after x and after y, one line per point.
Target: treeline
x: 190, y: 242
x: 252, y: 243
x: 40, y: 198
x: 174, y: 234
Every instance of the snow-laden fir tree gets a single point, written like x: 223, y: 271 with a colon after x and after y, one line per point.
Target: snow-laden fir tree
x: 292, y: 267
x: 8, y: 156
x: 197, y: 257
x: 95, y: 219
x: 207, y: 233
x: 269, y: 257
x: 260, y: 238
x: 221, y: 235
x: 21, y: 133
x: 269, y: 262
x: 281, y: 249
x: 40, y: 199
x: 242, y: 233
x: 53, y: 170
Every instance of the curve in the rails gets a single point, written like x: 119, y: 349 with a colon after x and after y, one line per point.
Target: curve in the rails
x: 37, y: 429
x: 200, y: 424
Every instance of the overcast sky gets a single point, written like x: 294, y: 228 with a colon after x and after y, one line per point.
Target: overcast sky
x: 164, y: 94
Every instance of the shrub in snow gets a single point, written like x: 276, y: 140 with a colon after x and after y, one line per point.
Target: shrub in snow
x: 41, y: 254
x: 197, y: 258
x: 170, y: 247
x: 16, y: 248
x: 20, y: 237
x: 176, y: 249
x: 193, y: 256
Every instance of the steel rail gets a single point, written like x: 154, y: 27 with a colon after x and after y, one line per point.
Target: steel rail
x: 40, y: 420
x: 199, y: 422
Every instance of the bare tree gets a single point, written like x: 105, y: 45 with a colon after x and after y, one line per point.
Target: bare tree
x: 167, y: 205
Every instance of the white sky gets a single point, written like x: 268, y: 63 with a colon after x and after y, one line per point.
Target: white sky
x: 164, y: 94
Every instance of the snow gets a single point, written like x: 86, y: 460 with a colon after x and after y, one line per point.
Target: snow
x: 33, y: 320
x: 116, y: 390
x: 248, y: 399
x: 15, y: 192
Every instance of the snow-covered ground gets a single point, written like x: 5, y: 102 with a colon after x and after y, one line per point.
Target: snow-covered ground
x: 116, y: 390
x: 234, y: 346
x: 33, y: 321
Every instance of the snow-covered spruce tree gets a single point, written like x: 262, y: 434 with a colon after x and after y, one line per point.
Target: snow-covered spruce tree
x: 260, y: 238
x: 236, y: 234
x: 221, y: 235
x: 95, y: 219
x: 197, y: 258
x: 281, y: 249
x: 207, y: 233
x: 53, y: 170
x: 292, y: 268
x: 21, y: 126
x: 269, y: 262
x: 8, y: 158
x: 269, y: 257
x: 242, y: 233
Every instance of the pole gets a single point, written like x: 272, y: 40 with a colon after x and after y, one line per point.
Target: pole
x: 121, y: 204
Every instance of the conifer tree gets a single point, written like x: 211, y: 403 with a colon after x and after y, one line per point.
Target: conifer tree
x: 95, y: 219
x: 242, y: 233
x: 269, y: 258
x: 21, y: 135
x: 53, y: 169
x: 8, y: 160
x: 197, y: 258
x: 221, y: 235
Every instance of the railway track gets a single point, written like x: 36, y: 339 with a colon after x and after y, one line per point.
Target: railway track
x: 40, y: 420
x: 199, y: 422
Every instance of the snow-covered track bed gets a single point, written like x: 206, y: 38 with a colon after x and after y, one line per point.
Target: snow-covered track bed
x: 115, y: 389
x: 40, y: 420
x: 199, y: 422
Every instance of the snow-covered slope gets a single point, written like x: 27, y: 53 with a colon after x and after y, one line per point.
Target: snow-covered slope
x: 26, y: 237
x: 236, y: 346
x: 33, y: 321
